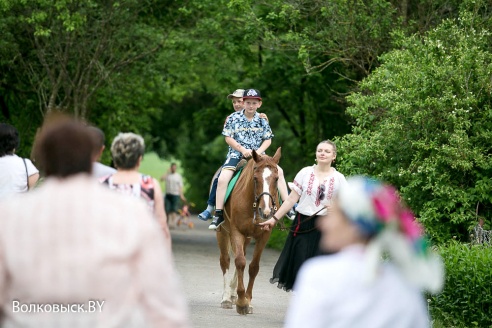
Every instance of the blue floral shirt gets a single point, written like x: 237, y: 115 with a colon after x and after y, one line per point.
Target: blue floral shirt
x: 249, y: 134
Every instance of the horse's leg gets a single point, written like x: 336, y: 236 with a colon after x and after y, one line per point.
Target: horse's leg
x: 247, y: 241
x: 242, y: 303
x: 223, y: 239
x: 234, y: 278
x: 233, y: 287
x: 254, y: 265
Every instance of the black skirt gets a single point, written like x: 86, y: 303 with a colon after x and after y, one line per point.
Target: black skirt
x: 302, y: 243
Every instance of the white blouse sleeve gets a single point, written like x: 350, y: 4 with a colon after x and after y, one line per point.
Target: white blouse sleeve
x: 341, y: 178
x: 296, y: 185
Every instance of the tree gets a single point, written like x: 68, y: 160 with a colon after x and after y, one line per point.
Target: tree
x: 300, y: 106
x: 424, y: 122
x: 68, y: 49
x: 305, y: 57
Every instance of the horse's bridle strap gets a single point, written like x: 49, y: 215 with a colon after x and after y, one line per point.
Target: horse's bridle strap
x: 255, y: 203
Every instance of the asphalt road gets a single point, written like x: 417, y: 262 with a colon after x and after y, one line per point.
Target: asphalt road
x: 197, y: 260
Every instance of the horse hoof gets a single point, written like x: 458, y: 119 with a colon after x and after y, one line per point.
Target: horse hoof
x: 233, y: 299
x: 226, y: 305
x: 242, y: 310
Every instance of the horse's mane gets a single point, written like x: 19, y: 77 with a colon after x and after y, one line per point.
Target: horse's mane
x: 245, y: 181
x: 242, y: 183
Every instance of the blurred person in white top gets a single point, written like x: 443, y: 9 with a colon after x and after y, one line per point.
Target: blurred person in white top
x: 174, y: 192
x: 73, y: 241
x: 99, y: 170
x: 355, y: 287
x: 17, y: 175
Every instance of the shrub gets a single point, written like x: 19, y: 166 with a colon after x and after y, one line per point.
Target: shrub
x: 466, y: 300
x: 423, y: 122
x: 278, y: 237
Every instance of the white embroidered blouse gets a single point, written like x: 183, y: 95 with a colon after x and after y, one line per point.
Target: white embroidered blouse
x: 315, y: 194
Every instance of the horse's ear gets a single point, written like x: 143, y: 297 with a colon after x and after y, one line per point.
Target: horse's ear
x: 256, y: 157
x: 277, y: 155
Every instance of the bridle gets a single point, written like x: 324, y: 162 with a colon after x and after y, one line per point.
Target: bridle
x: 273, y: 209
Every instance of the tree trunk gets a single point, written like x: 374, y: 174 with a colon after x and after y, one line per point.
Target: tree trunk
x: 404, y: 11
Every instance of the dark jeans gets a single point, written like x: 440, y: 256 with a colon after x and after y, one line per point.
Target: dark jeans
x: 229, y: 163
x: 211, y: 197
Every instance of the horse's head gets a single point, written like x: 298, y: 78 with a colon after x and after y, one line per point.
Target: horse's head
x: 265, y: 177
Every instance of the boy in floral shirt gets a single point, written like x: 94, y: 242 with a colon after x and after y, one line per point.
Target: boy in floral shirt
x: 244, y: 132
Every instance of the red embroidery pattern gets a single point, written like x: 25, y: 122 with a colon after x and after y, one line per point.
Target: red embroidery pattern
x: 298, y: 185
x: 310, y: 184
x: 331, y: 188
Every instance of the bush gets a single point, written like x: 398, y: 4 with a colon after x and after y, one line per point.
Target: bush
x: 466, y: 300
x: 423, y: 122
x: 278, y: 237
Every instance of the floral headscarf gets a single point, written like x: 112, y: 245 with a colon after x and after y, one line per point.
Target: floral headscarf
x: 376, y: 209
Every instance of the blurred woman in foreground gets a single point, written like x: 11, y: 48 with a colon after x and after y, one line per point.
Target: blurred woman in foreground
x: 75, y: 254
x: 355, y: 287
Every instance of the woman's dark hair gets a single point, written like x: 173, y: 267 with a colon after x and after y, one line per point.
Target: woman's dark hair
x: 64, y: 147
x: 9, y: 139
x: 99, y: 136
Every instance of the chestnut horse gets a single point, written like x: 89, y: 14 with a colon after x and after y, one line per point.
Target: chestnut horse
x: 254, y: 198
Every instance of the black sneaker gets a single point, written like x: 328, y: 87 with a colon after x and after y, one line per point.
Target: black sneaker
x: 291, y: 215
x: 216, y: 222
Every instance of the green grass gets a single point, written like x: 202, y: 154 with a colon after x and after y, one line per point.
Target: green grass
x: 156, y: 167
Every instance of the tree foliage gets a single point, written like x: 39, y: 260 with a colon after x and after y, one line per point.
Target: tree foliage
x: 302, y: 108
x: 305, y: 57
x: 87, y: 58
x: 424, y: 122
x: 163, y: 69
x: 68, y: 49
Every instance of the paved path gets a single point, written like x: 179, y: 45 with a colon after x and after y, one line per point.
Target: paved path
x: 197, y: 260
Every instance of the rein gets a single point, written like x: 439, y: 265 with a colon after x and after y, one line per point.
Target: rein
x: 283, y: 228
x: 274, y: 210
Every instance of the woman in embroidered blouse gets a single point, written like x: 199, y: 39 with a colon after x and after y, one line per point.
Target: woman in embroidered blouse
x: 127, y: 151
x: 313, y: 189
